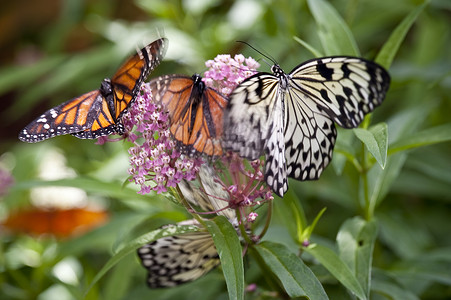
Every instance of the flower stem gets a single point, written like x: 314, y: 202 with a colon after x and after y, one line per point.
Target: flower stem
x: 268, y: 221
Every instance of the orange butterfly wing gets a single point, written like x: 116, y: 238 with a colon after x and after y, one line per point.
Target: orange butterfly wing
x: 99, y: 121
x: 129, y: 77
x: 58, y: 222
x: 75, y: 115
x: 195, y: 111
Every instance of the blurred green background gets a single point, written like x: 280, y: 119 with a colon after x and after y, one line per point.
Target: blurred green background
x: 51, y: 51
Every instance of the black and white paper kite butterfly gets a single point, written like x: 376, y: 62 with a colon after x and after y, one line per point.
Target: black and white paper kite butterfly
x: 290, y: 117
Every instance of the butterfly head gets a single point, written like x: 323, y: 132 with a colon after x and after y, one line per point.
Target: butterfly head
x: 277, y: 71
x: 280, y: 74
x: 197, y: 79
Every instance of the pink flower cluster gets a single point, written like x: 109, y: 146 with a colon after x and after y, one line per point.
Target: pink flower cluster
x: 153, y: 158
x: 225, y: 72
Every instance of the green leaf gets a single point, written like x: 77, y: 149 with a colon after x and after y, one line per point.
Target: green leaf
x: 230, y: 253
x: 309, y: 229
x: 425, y: 137
x: 121, y: 278
x: 309, y: 47
x: 334, y: 33
x: 392, y: 291
x: 88, y: 184
x: 355, y: 242
x: 391, y: 46
x: 380, y: 180
x: 297, y: 279
x: 333, y: 263
x: 375, y: 140
x: 15, y: 76
x: 138, y: 242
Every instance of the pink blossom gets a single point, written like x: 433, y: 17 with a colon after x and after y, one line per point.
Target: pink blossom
x: 154, y: 163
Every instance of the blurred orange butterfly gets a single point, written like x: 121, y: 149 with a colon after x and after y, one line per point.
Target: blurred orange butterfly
x: 56, y: 221
x: 97, y: 113
x: 195, y: 112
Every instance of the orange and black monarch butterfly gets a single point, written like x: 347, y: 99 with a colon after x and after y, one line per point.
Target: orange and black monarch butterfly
x: 97, y: 113
x: 195, y: 112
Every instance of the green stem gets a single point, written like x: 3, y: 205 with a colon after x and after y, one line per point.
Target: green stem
x: 368, y: 213
x: 243, y: 232
x: 268, y: 221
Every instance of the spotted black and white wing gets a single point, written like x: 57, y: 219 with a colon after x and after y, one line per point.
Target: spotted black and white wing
x: 345, y: 88
x: 321, y: 92
x: 178, y: 259
x: 309, y: 138
x: 249, y: 117
x: 254, y: 125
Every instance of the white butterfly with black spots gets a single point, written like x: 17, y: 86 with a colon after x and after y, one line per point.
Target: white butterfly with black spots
x: 174, y: 260
x: 290, y: 117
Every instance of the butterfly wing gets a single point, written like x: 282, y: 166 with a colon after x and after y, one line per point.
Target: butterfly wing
x: 310, y: 136
x: 340, y: 89
x: 248, y: 119
x: 195, y: 112
x: 99, y: 121
x: 75, y: 115
x: 127, y: 80
x: 177, y: 259
x: 345, y: 88
x: 217, y: 196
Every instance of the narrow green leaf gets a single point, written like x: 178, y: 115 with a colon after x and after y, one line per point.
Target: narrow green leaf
x: 333, y: 263
x: 138, y: 242
x: 376, y: 141
x: 230, y: 252
x: 344, y: 151
x: 425, y: 137
x: 16, y: 76
x: 355, y: 242
x: 309, y: 47
x: 121, y: 278
x: 308, y: 231
x: 334, y: 33
x: 391, y: 46
x: 297, y: 279
x: 89, y: 184
x: 380, y: 181
x: 392, y: 291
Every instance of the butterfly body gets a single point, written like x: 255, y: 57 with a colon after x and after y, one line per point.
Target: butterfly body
x: 98, y: 113
x: 195, y: 112
x: 290, y: 117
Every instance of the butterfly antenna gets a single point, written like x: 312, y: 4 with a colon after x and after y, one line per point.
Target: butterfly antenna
x: 274, y: 62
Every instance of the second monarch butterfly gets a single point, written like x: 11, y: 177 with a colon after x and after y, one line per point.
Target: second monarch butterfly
x: 195, y: 112
x: 97, y: 113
